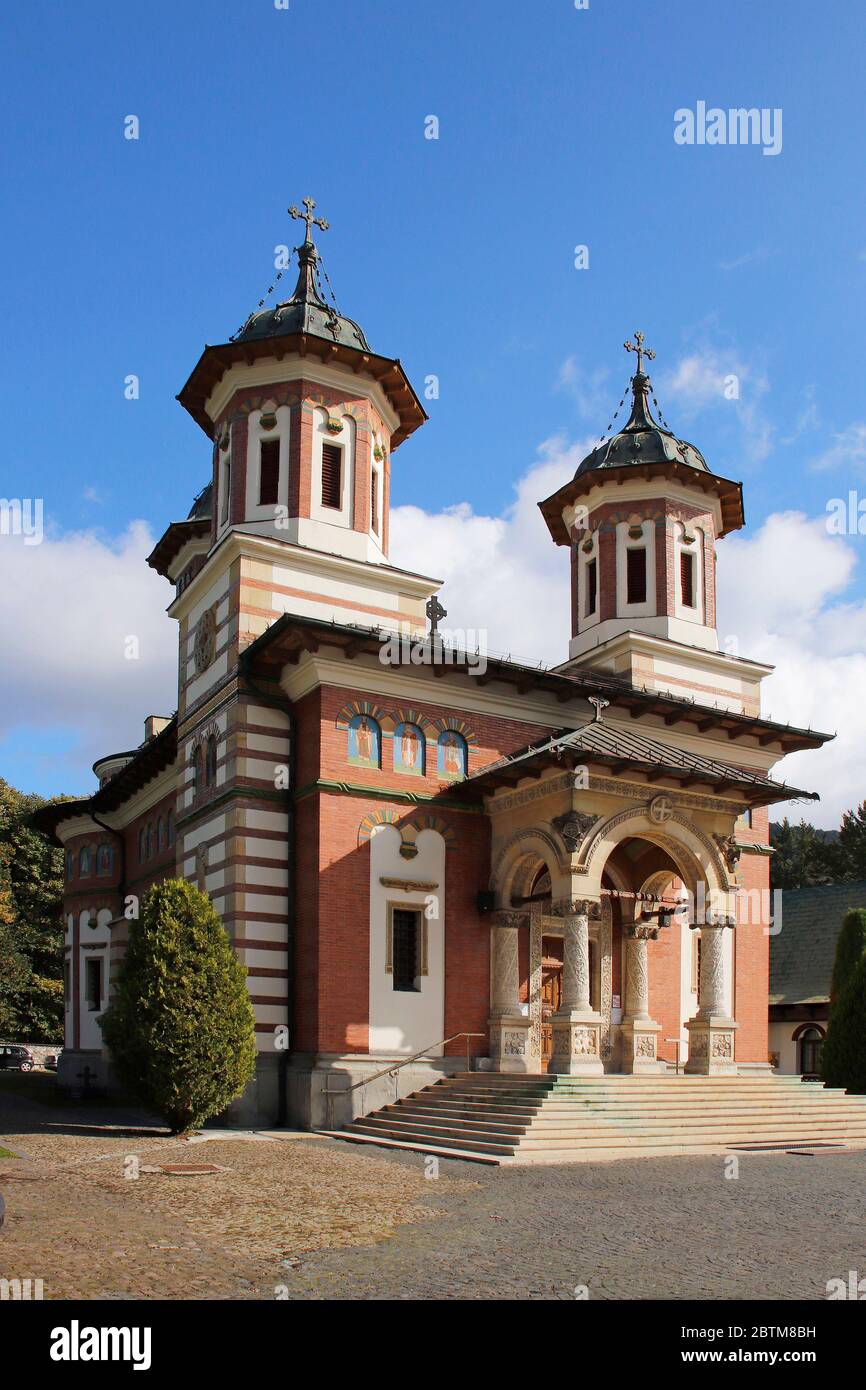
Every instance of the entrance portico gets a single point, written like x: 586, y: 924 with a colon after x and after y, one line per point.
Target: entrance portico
x: 624, y: 889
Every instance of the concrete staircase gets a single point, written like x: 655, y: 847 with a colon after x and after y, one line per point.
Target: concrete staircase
x: 492, y: 1118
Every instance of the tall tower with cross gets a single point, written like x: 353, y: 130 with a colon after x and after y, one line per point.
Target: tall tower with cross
x: 305, y: 420
x: 641, y: 519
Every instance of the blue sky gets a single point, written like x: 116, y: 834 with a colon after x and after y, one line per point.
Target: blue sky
x: 456, y: 254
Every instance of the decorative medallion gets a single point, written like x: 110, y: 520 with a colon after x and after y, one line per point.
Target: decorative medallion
x: 573, y: 827
x: 205, y: 640
x: 661, y: 809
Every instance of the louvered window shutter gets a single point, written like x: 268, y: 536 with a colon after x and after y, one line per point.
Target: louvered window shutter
x: 332, y: 480
x: 269, y: 473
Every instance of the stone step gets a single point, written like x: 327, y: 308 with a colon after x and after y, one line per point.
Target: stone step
x: 717, y: 1136
x: 466, y: 1144
x: 682, y: 1115
x: 382, y: 1142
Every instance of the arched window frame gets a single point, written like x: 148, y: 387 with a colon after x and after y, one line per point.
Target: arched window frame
x: 210, y: 761
x: 169, y: 829
x: 160, y: 834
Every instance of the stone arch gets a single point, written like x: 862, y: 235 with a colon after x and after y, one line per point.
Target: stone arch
x: 696, y: 857
x: 518, y: 860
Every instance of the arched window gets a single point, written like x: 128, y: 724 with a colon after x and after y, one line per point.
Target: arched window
x: 84, y: 860
x: 148, y: 840
x: 141, y: 845
x: 170, y: 828
x: 210, y: 764
x: 197, y: 760
x: 451, y: 754
x: 104, y: 857
x: 365, y: 741
x: 409, y: 749
x: 160, y: 835
x: 70, y: 864
x: 810, y: 1043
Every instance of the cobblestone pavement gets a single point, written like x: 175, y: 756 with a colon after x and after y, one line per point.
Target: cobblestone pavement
x: 74, y: 1220
x: 315, y: 1218
x: 667, y: 1228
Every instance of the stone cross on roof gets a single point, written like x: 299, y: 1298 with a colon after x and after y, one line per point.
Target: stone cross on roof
x: 307, y: 216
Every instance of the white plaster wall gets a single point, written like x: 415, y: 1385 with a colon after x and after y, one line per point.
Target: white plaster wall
x: 780, y: 1039
x: 90, y: 1032
x: 584, y: 560
x: 405, y: 1022
x: 695, y: 548
x: 330, y: 516
x: 265, y: 516
x: 646, y: 542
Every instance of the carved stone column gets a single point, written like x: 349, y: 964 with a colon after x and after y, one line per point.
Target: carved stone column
x: 509, y: 1026
x: 711, y: 1031
x: 639, y: 1030
x: 576, y: 1026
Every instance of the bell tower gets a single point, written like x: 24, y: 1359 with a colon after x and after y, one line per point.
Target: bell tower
x: 305, y: 419
x: 641, y: 517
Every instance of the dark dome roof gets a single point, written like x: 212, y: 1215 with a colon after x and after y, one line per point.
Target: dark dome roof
x: 306, y: 312
x: 642, y: 440
x: 201, y: 507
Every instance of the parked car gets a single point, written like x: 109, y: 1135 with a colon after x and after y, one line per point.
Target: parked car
x: 51, y: 1061
x: 14, y: 1058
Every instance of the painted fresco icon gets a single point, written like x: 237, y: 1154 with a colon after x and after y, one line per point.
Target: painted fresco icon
x: 452, y: 754
x: 409, y: 749
x: 363, y: 741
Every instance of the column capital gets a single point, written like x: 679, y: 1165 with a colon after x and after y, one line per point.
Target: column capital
x: 509, y: 917
x: 641, y: 931
x: 577, y: 907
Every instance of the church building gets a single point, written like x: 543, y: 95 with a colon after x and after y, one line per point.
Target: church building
x: 417, y: 849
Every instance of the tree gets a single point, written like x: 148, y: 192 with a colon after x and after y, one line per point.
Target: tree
x: 31, y: 954
x: 800, y: 857
x: 851, y: 845
x: 850, y: 946
x: 181, y: 1028
x: 843, y: 1058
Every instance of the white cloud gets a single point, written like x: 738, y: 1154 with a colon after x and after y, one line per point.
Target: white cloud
x: 781, y: 595
x: 847, y: 452
x: 67, y: 607
x: 503, y: 575
x: 700, y: 380
x: 747, y: 258
x: 588, y: 389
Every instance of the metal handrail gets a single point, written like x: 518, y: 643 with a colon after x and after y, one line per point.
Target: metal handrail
x: 395, y: 1067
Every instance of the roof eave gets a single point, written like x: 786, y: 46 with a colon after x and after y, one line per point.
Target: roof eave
x: 729, y: 492
x: 218, y: 358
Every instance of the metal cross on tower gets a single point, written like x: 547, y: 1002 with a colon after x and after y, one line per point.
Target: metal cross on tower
x: 307, y: 217
x: 435, y: 611
x: 642, y: 352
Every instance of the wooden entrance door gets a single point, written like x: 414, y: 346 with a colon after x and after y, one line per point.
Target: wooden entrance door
x: 551, y: 993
